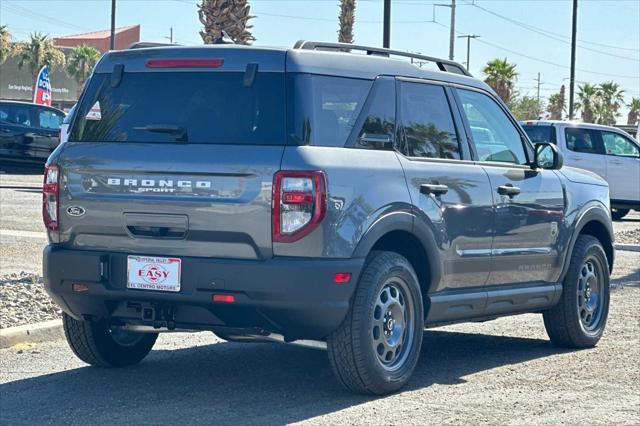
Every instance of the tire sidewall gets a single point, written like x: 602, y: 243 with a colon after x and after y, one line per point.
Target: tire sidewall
x: 386, y: 379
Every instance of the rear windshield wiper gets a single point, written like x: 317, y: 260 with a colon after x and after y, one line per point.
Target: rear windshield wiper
x: 179, y: 131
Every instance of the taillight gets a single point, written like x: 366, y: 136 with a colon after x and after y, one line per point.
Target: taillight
x: 184, y: 63
x: 299, y: 204
x: 50, y: 196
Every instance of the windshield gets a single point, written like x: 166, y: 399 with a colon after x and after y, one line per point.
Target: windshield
x: 186, y: 107
x: 540, y: 134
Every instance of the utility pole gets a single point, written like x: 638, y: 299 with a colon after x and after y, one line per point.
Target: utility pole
x: 572, y: 78
x: 112, y: 43
x: 468, y: 37
x: 452, y: 34
x: 386, y: 26
x: 538, y: 80
x: 170, y: 35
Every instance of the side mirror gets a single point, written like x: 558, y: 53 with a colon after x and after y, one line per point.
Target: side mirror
x: 376, y: 141
x: 547, y: 156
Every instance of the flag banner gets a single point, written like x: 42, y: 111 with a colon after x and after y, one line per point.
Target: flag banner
x: 42, y: 95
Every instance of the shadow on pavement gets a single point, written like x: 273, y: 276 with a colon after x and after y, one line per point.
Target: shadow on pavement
x: 230, y: 383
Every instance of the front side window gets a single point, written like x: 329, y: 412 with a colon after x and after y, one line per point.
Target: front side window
x: 582, y: 140
x: 49, y: 120
x: 324, y: 109
x: 618, y: 145
x: 427, y: 122
x: 15, y: 114
x: 495, y: 137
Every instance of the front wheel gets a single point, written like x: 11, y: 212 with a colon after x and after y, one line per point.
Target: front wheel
x: 376, y: 348
x: 100, y: 345
x: 618, y: 214
x: 579, y: 319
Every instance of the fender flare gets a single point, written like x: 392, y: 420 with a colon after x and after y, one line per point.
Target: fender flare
x: 593, y: 212
x: 407, y: 222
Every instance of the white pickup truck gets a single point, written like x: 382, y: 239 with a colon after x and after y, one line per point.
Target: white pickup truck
x: 607, y: 151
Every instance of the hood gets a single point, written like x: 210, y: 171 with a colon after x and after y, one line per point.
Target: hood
x: 582, y: 176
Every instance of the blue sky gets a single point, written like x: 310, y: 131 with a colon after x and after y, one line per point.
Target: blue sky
x: 534, y: 34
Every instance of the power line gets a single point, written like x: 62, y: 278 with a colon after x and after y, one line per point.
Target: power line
x: 557, y: 36
x: 24, y: 12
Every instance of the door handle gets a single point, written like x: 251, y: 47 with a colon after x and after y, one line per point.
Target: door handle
x: 433, y: 188
x: 509, y: 190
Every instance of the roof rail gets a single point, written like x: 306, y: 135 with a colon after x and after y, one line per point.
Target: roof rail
x: 145, y: 44
x: 443, y: 64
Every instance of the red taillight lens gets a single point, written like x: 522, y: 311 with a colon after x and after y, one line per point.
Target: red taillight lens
x: 299, y: 204
x: 184, y: 63
x: 50, y: 196
x: 223, y: 298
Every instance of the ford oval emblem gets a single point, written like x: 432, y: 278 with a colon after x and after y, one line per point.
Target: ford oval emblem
x: 75, y: 211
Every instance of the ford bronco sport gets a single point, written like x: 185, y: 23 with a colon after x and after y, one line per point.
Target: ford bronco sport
x: 326, y: 194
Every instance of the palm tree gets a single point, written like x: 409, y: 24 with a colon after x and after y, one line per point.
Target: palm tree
x: 5, y: 43
x: 634, y: 111
x: 556, y: 105
x: 346, y: 18
x: 38, y: 52
x: 80, y: 64
x: 501, y: 76
x: 230, y: 16
x: 611, y: 98
x: 587, y: 99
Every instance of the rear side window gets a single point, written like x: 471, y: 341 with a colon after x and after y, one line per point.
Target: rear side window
x: 540, y: 133
x: 187, y: 107
x: 583, y: 140
x: 618, y: 145
x: 49, y: 120
x: 324, y: 109
x: 427, y: 122
x: 495, y: 137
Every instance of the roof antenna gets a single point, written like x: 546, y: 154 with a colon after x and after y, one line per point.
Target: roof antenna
x: 224, y: 39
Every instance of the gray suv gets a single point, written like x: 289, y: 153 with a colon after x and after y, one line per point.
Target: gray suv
x: 312, y: 195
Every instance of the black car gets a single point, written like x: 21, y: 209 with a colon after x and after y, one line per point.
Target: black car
x: 28, y: 132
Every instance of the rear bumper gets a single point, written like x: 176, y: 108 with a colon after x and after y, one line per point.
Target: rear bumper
x: 295, y: 297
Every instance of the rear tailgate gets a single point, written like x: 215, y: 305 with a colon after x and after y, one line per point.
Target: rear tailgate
x: 175, y: 160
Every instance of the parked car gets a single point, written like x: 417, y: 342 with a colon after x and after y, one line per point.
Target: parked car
x: 607, y: 151
x: 317, y: 196
x: 64, y: 127
x: 28, y: 132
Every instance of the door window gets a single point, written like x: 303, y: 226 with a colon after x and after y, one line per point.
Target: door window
x: 582, y: 140
x: 495, y: 137
x: 49, y: 120
x: 618, y: 145
x: 427, y: 122
x: 16, y: 114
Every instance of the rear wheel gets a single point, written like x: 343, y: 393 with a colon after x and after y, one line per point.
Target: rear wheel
x: 579, y: 319
x: 618, y: 214
x: 101, y: 345
x: 376, y: 348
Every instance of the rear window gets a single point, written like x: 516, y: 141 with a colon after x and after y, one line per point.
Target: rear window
x: 540, y: 134
x: 187, y: 107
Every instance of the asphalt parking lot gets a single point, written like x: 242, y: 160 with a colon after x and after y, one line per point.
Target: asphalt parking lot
x: 499, y: 372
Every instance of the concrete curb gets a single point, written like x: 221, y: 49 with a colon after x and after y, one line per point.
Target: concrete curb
x: 627, y: 247
x: 31, y: 333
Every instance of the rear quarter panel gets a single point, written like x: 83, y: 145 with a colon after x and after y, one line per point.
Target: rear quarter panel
x: 363, y: 186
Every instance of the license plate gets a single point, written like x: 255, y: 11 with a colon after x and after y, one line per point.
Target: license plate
x: 153, y: 273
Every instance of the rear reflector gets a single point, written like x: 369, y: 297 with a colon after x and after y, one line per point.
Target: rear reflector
x: 223, y: 298
x: 79, y: 287
x: 342, y: 277
x: 184, y: 63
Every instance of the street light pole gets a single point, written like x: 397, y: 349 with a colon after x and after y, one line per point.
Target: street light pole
x: 469, y: 37
x: 572, y: 78
x: 386, y: 25
x: 112, y: 43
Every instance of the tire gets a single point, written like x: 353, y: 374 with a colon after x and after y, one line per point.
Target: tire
x: 359, y: 349
x: 618, y: 214
x: 579, y: 319
x: 101, y: 346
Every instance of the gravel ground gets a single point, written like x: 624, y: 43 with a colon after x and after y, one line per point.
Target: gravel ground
x: 628, y: 236
x: 24, y: 301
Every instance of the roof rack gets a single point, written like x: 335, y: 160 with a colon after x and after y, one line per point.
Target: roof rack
x: 443, y: 64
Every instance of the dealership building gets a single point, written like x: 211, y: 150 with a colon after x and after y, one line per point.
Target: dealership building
x: 16, y: 84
